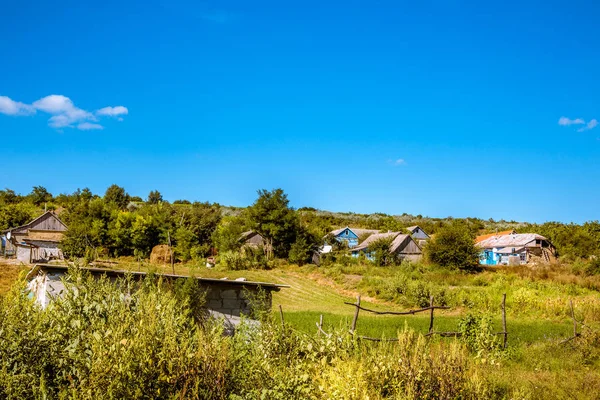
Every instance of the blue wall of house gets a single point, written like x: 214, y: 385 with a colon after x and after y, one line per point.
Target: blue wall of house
x: 348, y: 236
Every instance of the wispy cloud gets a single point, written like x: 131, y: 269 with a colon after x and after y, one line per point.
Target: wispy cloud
x: 112, y: 111
x: 564, y: 121
x: 88, y: 126
x: 397, y: 162
x: 590, y: 125
x: 64, y: 113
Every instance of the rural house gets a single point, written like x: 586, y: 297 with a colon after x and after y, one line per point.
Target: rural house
x: 418, y: 235
x: 227, y: 299
x: 351, y: 236
x: 514, y: 248
x: 37, y: 241
x: 402, y: 246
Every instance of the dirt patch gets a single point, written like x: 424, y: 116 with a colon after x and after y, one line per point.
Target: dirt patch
x: 9, y: 273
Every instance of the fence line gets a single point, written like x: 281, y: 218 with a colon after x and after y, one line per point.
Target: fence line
x: 431, y: 308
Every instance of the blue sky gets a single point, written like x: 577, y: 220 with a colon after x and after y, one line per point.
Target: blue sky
x: 439, y: 108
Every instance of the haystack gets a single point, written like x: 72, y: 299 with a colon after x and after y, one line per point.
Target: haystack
x: 160, y: 254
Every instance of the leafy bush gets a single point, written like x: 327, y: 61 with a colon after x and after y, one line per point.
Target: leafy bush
x: 131, y: 339
x: 453, y: 246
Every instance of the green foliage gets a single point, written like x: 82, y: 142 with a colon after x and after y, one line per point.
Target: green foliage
x: 453, y: 246
x: 274, y: 220
x: 116, y: 196
x: 39, y: 195
x: 302, y: 250
x: 154, y: 197
x: 380, y: 250
x: 478, y: 333
x: 13, y: 215
x: 226, y: 236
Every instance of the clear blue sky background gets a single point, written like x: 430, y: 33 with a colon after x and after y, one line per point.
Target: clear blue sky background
x: 441, y: 108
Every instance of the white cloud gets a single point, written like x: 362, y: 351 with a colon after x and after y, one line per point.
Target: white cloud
x: 113, y: 111
x: 10, y: 107
x: 590, y: 125
x: 64, y: 113
x: 88, y: 126
x: 397, y: 162
x: 564, y: 121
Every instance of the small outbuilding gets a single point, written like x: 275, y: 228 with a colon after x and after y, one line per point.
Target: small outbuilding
x: 228, y: 299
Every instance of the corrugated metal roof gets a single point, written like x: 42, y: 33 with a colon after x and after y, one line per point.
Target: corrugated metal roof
x: 490, y: 235
x: 512, y: 240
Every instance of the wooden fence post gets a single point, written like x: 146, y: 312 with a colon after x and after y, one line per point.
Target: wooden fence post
x: 431, y: 314
x: 355, y: 319
x: 320, y: 326
x: 281, y: 315
x: 574, y: 320
x: 504, y: 319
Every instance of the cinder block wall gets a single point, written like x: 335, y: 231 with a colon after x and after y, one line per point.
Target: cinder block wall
x: 234, y: 300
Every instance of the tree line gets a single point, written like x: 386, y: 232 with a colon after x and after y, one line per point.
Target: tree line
x: 118, y: 224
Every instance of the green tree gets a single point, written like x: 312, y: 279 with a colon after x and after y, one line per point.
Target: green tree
x: 272, y: 217
x: 302, y: 250
x: 226, y: 236
x: 380, y: 249
x: 116, y: 196
x: 154, y: 197
x: 8, y: 196
x: 14, y: 215
x: 453, y: 246
x: 39, y: 195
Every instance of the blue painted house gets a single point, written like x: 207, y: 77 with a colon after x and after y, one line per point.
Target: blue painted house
x: 351, y: 235
x: 509, y: 248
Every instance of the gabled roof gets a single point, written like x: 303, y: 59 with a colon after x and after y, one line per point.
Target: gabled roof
x: 413, y: 228
x: 357, y: 231
x: 491, y: 235
x: 400, y: 242
x: 512, y: 240
x: 375, y: 237
x: 34, y: 221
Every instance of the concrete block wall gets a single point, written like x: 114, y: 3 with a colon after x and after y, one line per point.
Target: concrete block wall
x: 232, y: 300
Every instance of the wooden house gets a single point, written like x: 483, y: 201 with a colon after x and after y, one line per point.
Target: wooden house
x: 37, y: 241
x: 351, y: 236
x: 418, y: 235
x: 514, y: 248
x: 403, y: 246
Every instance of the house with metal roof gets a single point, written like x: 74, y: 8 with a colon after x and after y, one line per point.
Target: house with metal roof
x: 403, y: 246
x: 514, y: 248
